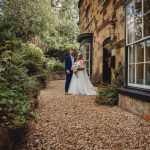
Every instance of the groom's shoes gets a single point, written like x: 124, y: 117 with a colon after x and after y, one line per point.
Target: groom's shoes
x: 66, y: 93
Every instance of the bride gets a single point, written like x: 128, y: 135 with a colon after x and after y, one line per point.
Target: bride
x: 80, y: 82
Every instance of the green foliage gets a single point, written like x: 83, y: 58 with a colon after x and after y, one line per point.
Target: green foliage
x: 42, y: 80
x: 15, y: 106
x: 58, y: 67
x: 31, y: 17
x: 22, y: 64
x: 56, y: 27
x: 18, y: 91
x: 16, y: 101
x: 108, y: 94
x: 33, y: 59
x: 119, y: 76
x: 55, y: 65
x: 58, y: 53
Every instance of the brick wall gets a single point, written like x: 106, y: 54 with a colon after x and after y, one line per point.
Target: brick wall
x: 100, y: 26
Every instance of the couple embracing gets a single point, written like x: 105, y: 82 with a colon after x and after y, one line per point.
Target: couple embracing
x: 77, y: 80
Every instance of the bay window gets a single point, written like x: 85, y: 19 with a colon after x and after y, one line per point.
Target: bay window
x: 138, y: 43
x: 86, y: 51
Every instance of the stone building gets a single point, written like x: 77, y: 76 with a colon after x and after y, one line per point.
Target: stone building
x: 101, y: 23
x: 114, y: 32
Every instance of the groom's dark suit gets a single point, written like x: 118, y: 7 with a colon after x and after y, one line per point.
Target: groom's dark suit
x: 68, y: 66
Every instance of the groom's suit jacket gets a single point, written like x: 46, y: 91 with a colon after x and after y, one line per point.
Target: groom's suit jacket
x: 68, y: 63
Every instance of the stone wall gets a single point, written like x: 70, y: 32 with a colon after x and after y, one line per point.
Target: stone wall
x: 100, y: 26
x: 135, y: 106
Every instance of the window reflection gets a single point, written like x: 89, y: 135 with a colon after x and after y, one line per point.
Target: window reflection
x: 131, y: 54
x: 130, y: 13
x: 147, y: 50
x: 132, y: 73
x: 147, y: 73
x: 131, y: 33
x: 87, y: 56
x: 87, y: 64
x: 138, y: 19
x: 147, y: 24
x: 146, y: 6
x: 140, y: 74
x: 85, y: 50
x: 138, y: 8
x: 138, y: 28
x: 140, y: 52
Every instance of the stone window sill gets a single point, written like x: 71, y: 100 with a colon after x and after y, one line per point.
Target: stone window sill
x: 137, y: 93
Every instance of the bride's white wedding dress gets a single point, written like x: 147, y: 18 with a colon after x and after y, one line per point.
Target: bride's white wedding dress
x: 81, y: 84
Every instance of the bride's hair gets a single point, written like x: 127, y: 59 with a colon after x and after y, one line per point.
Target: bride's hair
x: 81, y: 56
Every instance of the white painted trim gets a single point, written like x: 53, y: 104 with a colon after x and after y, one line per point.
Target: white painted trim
x: 84, y: 53
x: 141, y: 40
x: 139, y: 86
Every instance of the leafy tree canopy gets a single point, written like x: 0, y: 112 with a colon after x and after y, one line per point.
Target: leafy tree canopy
x: 54, y: 21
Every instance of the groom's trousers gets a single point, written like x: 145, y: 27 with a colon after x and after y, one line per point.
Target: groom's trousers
x: 68, y: 80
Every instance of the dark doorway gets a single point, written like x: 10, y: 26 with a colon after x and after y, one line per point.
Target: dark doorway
x: 106, y: 62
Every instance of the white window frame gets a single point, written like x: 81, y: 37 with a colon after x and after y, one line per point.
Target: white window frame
x: 143, y: 39
x: 83, y: 51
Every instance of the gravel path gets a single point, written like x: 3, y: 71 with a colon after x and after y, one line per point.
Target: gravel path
x: 66, y: 122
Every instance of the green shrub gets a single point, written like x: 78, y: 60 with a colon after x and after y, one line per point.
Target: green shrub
x: 15, y: 106
x: 33, y: 59
x: 55, y: 65
x: 108, y: 94
x: 18, y: 96
x: 58, y: 67
x: 41, y: 80
x: 18, y: 101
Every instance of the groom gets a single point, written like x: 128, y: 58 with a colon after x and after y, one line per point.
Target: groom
x: 69, y: 60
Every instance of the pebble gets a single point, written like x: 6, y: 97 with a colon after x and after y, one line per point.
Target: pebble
x: 66, y: 122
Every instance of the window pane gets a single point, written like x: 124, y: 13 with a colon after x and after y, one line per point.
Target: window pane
x: 138, y: 28
x: 131, y: 33
x: 147, y: 25
x: 87, y: 56
x: 131, y: 54
x: 140, y: 52
x: 130, y: 13
x: 87, y: 48
x: 87, y: 64
x: 146, y: 6
x: 88, y: 72
x: 82, y: 49
x: 148, y: 50
x: 138, y: 8
x: 147, y: 73
x: 138, y: 19
x: 140, y: 73
x: 131, y: 73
